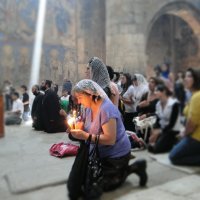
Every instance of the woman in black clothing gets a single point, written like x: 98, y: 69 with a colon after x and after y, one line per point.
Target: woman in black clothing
x: 149, y: 105
x: 163, y: 137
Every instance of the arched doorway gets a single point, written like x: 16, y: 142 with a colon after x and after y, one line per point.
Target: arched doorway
x: 174, y: 37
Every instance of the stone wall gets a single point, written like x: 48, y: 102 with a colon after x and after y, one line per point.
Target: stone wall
x: 125, y: 40
x: 128, y: 26
x: 90, y: 32
x: 17, y: 26
x: 74, y: 31
x: 118, y: 31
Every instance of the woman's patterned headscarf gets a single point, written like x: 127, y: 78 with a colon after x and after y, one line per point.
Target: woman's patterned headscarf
x: 99, y: 72
x: 90, y: 87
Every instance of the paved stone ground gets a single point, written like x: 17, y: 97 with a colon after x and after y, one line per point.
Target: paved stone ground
x: 25, y: 163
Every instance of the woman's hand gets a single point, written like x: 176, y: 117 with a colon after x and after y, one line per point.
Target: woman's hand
x: 127, y: 101
x: 155, y: 133
x: 143, y: 104
x: 79, y: 125
x: 141, y: 117
x: 79, y: 134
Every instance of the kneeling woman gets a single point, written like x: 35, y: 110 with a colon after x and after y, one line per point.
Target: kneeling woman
x: 102, y: 117
x: 164, y: 136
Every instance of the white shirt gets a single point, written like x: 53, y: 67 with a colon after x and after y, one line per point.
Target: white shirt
x: 164, y: 114
x: 18, y: 105
x: 129, y: 94
x: 65, y: 98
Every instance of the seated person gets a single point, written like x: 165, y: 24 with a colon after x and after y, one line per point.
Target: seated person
x: 15, y: 116
x: 141, y: 90
x: 149, y: 105
x: 64, y: 101
x: 36, y: 111
x: 103, y: 118
x: 187, y: 151
x: 164, y: 137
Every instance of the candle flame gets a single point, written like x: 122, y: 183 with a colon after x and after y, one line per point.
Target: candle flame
x: 71, y: 121
x: 74, y: 113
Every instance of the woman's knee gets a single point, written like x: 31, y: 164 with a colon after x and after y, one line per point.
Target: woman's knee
x: 173, y: 156
x: 176, y: 154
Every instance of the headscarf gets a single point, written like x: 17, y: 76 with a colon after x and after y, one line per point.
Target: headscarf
x: 90, y: 87
x: 99, y: 72
x: 142, y: 86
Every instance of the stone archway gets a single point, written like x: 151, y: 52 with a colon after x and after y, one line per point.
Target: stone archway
x: 174, y: 36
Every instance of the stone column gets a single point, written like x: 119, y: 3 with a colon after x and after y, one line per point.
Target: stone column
x: 1, y: 116
x: 90, y: 32
x: 125, y: 39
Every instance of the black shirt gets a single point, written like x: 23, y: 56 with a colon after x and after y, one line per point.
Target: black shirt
x: 25, y: 98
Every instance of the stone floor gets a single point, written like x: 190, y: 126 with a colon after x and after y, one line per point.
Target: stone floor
x: 28, y: 172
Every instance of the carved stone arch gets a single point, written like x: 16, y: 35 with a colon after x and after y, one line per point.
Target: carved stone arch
x: 186, y: 16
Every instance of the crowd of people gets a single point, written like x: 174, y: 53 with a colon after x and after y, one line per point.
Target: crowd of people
x: 107, y: 103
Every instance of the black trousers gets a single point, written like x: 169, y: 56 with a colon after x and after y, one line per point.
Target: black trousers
x: 165, y: 142
x: 114, y: 172
x: 55, y: 126
x: 128, y: 121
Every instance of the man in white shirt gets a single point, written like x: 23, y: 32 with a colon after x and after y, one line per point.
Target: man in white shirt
x: 15, y: 116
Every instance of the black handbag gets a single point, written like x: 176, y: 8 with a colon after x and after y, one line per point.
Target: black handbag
x: 94, y: 174
x: 78, y: 172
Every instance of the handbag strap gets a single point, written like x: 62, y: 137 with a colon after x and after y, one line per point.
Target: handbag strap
x: 95, y: 149
x: 88, y: 141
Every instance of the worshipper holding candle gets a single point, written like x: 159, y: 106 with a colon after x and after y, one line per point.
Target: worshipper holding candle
x: 102, y: 118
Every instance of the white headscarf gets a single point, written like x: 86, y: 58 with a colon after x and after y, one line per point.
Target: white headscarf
x: 99, y: 72
x: 142, y: 86
x: 90, y: 87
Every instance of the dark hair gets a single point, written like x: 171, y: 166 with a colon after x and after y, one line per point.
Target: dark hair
x: 37, y: 87
x: 55, y: 88
x: 134, y: 78
x: 107, y: 90
x: 157, y: 80
x: 24, y: 87
x: 196, y: 77
x: 95, y: 98
x: 48, y: 82
x: 157, y: 68
x: 117, y: 75
x: 110, y: 72
x: 127, y: 84
x: 164, y: 88
x: 15, y: 94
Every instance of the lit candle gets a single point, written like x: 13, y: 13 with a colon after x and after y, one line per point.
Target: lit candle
x: 72, y: 120
x: 74, y: 113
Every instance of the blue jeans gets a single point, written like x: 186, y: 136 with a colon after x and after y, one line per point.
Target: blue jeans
x: 25, y: 116
x: 186, y: 152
